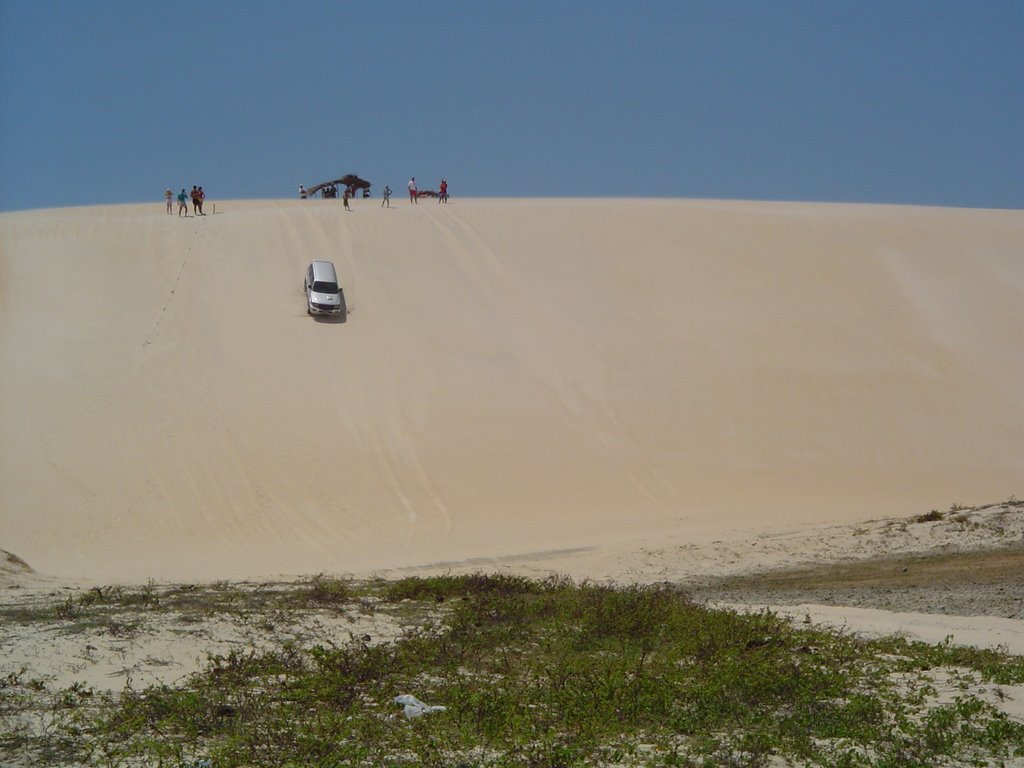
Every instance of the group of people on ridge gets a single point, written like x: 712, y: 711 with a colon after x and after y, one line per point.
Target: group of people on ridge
x: 197, y: 196
x: 415, y: 194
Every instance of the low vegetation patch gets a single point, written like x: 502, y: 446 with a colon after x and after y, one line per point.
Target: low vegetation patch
x: 540, y: 674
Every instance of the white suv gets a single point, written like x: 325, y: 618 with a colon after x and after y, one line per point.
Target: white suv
x: 323, y: 294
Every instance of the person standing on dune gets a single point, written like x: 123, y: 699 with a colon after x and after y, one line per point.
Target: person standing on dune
x: 387, y: 197
x: 182, y: 203
x: 169, y: 197
x: 413, y: 195
x: 443, y: 197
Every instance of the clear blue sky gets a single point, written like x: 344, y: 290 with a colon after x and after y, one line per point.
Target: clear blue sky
x: 896, y: 101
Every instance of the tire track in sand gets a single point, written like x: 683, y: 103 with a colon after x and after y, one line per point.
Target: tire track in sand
x: 379, y: 430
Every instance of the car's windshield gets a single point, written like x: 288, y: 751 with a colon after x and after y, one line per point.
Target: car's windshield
x: 323, y: 287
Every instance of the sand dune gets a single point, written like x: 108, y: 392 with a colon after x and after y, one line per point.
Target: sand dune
x: 516, y: 376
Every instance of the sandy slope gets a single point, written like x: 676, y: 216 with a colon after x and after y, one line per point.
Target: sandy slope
x: 516, y: 376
